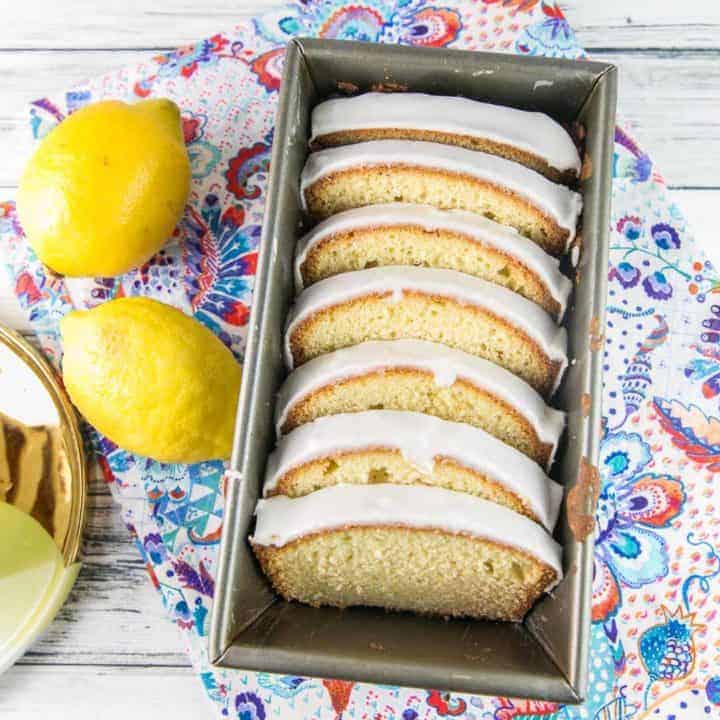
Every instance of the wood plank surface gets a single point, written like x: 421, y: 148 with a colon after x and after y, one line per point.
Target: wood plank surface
x: 111, y: 654
x: 640, y: 24
x: 131, y: 24
x: 94, y: 692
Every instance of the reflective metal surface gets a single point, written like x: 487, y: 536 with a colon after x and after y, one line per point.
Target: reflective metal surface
x: 545, y: 657
x: 42, y: 495
x: 42, y: 465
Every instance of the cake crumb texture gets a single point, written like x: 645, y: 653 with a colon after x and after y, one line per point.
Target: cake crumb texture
x: 373, y: 466
x: 360, y: 186
x: 415, y: 390
x: 415, y: 246
x: 426, y: 571
x: 424, y: 317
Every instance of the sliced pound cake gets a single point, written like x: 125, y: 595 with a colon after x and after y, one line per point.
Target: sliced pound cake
x: 422, y: 377
x: 445, y: 177
x: 444, y: 306
x: 531, y: 138
x: 408, y: 448
x: 420, y: 235
x: 418, y: 548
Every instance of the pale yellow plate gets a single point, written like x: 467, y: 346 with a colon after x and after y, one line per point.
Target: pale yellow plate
x: 38, y: 555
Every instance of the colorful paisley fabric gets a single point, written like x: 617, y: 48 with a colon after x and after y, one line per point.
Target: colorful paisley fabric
x: 656, y: 586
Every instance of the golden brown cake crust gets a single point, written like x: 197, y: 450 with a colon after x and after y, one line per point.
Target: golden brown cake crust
x: 483, y: 486
x: 271, y: 559
x: 302, y: 411
x: 550, y: 236
x: 549, y: 368
x: 534, y: 162
x: 533, y: 288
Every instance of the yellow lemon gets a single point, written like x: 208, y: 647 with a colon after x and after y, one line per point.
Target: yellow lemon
x: 153, y: 380
x: 104, y: 190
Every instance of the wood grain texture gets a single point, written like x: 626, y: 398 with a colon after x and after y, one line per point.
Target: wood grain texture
x: 636, y: 25
x: 110, y: 653
x: 86, y: 692
x: 120, y: 25
x: 672, y: 105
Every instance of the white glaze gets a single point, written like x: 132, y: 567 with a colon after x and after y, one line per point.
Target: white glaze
x: 466, y: 289
x: 533, y: 132
x: 445, y: 363
x: 557, y: 201
x: 420, y: 439
x: 477, y: 228
x: 281, y: 519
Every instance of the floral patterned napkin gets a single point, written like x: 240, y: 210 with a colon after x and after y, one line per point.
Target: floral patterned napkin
x: 656, y: 593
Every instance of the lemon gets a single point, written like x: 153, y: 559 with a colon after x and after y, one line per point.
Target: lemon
x: 153, y: 380
x: 104, y: 190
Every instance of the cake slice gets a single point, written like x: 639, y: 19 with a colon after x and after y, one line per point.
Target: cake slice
x: 531, y: 138
x: 408, y: 448
x: 422, y: 377
x: 424, y: 549
x: 420, y: 235
x: 445, y: 177
x: 443, y: 306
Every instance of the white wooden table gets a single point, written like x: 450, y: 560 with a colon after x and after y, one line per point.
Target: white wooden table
x: 111, y: 654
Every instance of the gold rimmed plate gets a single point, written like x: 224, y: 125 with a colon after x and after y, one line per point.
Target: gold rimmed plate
x: 43, y: 494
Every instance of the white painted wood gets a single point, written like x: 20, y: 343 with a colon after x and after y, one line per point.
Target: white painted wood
x: 97, y: 693
x: 667, y: 24
x: 111, y: 653
x: 120, y: 23
x: 672, y: 105
x: 133, y: 24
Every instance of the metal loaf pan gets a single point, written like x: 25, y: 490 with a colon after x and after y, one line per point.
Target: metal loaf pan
x: 546, y: 657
